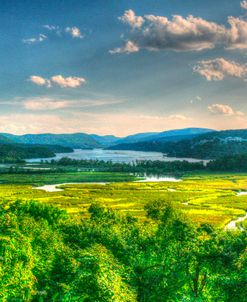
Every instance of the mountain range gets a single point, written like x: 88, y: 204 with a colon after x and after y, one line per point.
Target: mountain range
x: 85, y: 141
x: 200, y: 143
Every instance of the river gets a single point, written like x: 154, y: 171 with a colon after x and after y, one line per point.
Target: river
x: 116, y: 156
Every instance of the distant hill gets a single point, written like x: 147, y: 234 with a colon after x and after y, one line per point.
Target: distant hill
x: 4, y: 139
x: 205, y: 146
x: 85, y: 141
x: 105, y: 140
x: 136, y: 137
x: 76, y: 140
x: 156, y: 136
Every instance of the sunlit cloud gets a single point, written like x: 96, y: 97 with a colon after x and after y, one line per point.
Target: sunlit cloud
x: 40, y: 81
x: 156, y: 33
x: 59, y: 80
x: 219, y: 68
x: 243, y: 4
x: 69, y: 82
x: 130, y: 18
x: 222, y: 109
x: 129, y: 47
x: 74, y: 32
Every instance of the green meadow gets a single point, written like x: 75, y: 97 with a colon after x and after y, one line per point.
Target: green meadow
x: 205, y: 198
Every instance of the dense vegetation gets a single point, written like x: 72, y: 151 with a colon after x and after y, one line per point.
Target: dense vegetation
x: 47, y: 256
x: 206, y: 146
x: 229, y: 163
x: 14, y: 153
x: 140, y: 166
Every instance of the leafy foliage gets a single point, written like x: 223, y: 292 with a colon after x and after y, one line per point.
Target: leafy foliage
x: 46, y: 255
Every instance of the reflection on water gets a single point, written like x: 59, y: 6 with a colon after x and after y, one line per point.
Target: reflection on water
x: 116, y: 156
x: 241, y: 193
x: 159, y: 179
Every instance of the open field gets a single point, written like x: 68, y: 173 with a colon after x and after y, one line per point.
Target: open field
x: 205, y: 198
x: 38, y: 179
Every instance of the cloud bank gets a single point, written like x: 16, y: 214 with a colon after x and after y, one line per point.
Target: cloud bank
x: 157, y: 33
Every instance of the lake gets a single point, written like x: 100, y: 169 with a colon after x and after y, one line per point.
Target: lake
x: 116, y: 156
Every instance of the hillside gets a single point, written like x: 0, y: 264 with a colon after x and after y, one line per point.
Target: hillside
x: 4, y: 139
x: 14, y: 153
x: 105, y: 140
x: 170, y: 135
x: 206, y: 146
x: 76, y: 140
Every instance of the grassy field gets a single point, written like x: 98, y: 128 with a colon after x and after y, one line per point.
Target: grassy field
x: 205, y: 198
x: 38, y: 179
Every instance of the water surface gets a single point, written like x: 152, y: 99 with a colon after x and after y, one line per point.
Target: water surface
x: 116, y: 156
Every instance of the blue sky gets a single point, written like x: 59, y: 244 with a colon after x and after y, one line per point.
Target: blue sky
x: 121, y: 67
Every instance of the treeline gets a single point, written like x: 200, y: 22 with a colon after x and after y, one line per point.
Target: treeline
x: 139, y: 166
x: 17, y: 153
x: 234, y: 163
x: 47, y: 256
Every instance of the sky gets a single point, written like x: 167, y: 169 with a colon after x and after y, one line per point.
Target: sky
x: 122, y: 67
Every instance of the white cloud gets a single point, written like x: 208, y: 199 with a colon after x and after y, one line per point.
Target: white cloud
x: 237, y: 33
x: 74, y: 32
x: 69, y: 82
x: 130, y: 18
x: 129, y: 47
x: 243, y: 4
x: 217, y: 69
x: 64, y: 82
x: 51, y: 27
x: 153, y: 32
x: 223, y: 109
x: 39, y: 39
x: 40, y: 81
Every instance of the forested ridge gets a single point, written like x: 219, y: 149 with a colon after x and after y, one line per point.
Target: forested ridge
x: 14, y: 153
x: 205, y: 146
